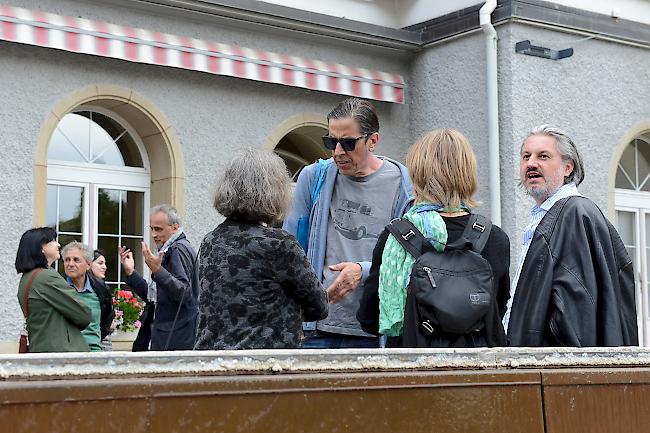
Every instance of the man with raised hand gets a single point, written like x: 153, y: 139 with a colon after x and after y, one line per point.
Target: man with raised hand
x: 169, y: 319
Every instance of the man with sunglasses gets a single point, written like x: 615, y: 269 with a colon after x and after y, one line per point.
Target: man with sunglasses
x: 359, y: 196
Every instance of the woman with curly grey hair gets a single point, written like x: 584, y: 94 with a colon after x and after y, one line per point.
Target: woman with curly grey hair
x: 254, y: 280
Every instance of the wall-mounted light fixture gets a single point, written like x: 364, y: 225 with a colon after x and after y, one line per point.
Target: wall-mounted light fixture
x: 524, y: 47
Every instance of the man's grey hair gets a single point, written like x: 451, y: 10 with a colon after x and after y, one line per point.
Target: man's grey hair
x: 255, y: 187
x: 171, y: 212
x: 86, y: 251
x: 567, y: 149
x: 362, y: 111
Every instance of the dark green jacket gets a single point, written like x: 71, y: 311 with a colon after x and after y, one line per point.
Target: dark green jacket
x: 56, y: 314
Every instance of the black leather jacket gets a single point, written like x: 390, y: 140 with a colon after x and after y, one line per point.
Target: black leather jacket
x: 577, y: 283
x: 105, y: 297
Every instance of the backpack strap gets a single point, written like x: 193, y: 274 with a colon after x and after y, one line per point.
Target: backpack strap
x: 319, y: 179
x: 408, y: 236
x: 477, y: 231
x: 28, y: 287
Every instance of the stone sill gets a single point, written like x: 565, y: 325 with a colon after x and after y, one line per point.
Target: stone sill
x: 219, y: 363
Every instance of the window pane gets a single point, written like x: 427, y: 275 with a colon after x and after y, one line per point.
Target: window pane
x: 109, y: 246
x: 301, y: 147
x: 50, y: 214
x: 102, y: 147
x: 71, y: 131
x: 643, y: 158
x: 129, y: 151
x: 135, y: 246
x: 628, y: 163
x: 108, y: 211
x: 65, y: 240
x: 70, y: 208
x: 640, y: 314
x: 622, y: 181
x: 626, y: 227
x: 132, y: 213
x: 91, y: 137
x: 112, y: 287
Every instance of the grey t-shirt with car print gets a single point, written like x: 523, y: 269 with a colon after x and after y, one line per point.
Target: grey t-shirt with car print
x: 361, y: 207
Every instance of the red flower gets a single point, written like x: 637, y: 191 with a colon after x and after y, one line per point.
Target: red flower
x: 124, y: 294
x: 129, y: 308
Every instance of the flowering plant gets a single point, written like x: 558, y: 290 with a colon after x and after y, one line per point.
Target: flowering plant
x: 128, y: 309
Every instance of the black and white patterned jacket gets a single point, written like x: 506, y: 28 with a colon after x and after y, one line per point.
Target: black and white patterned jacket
x: 254, y: 281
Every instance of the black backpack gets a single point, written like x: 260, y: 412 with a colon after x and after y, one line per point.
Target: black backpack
x: 449, y: 293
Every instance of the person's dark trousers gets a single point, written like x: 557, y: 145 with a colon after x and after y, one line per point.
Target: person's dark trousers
x: 328, y: 340
x: 141, y: 342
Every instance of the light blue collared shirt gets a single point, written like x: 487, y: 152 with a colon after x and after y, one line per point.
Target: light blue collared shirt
x: 87, y: 287
x: 536, y: 215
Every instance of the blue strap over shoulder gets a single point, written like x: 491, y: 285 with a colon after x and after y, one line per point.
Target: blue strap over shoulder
x: 319, y: 180
x: 303, y: 222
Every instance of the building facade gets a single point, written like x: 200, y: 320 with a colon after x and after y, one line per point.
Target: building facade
x: 112, y: 106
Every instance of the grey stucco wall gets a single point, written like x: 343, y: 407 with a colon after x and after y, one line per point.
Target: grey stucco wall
x: 596, y: 96
x: 448, y: 91
x: 212, y: 116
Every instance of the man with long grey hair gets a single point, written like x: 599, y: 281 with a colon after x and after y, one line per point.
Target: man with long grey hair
x: 574, y: 284
x: 340, y: 207
x: 169, y: 320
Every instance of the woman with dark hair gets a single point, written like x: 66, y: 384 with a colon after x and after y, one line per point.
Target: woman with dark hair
x: 54, y: 313
x: 255, y: 282
x: 98, y: 266
x: 98, y: 273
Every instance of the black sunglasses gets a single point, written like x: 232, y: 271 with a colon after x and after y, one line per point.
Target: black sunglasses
x: 348, y: 144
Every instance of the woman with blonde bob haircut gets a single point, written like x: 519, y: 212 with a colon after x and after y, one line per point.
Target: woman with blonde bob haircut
x: 443, y: 169
x: 254, y: 280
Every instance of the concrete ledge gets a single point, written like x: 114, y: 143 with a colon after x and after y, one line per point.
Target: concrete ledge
x: 193, y: 363
x: 552, y: 390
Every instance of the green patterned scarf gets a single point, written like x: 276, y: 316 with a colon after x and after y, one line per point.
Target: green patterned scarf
x: 396, y: 264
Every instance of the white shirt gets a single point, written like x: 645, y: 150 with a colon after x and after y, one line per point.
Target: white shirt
x: 536, y: 215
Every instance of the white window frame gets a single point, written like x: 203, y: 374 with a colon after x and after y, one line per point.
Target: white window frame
x: 638, y: 203
x: 94, y: 176
x: 146, y: 232
x: 136, y: 138
x: 85, y: 221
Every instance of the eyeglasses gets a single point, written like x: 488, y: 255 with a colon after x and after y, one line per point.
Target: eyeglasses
x: 348, y: 144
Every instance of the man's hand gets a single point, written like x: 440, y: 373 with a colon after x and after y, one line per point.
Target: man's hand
x: 126, y: 257
x: 152, y: 260
x: 348, y: 280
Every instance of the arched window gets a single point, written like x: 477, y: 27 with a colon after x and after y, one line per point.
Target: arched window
x: 300, y: 147
x: 633, y: 220
x: 634, y: 167
x: 98, y: 184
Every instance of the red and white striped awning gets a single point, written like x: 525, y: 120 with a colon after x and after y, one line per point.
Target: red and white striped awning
x: 136, y: 45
